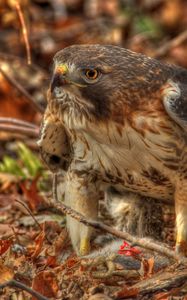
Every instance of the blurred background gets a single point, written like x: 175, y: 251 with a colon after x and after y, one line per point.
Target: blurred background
x: 154, y: 27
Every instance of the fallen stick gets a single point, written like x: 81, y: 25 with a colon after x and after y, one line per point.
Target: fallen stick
x: 19, y: 285
x: 13, y: 121
x: 162, y: 281
x: 21, y: 130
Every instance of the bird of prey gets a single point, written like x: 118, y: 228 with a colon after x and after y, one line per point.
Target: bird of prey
x: 122, y: 117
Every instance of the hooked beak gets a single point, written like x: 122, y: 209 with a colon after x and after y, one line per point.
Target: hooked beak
x: 59, y: 77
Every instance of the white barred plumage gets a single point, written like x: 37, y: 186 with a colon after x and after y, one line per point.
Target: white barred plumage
x: 124, y: 116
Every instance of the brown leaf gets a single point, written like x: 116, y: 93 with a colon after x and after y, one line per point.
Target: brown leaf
x: 167, y: 295
x: 151, y: 262
x: 4, y: 246
x: 45, y: 283
x: 6, y: 273
x: 147, y: 266
x: 36, y: 249
x: 20, y: 105
x: 127, y: 292
x: 71, y: 262
x: 6, y: 200
x: 35, y: 201
x: 60, y: 242
x: 51, y: 262
x: 7, y: 180
x: 5, y: 230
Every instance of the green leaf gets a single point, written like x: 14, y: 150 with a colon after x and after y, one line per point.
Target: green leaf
x: 148, y: 25
x: 30, y: 160
x: 26, y: 165
x: 10, y: 165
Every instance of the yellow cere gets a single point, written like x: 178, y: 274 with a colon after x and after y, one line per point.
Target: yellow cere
x: 62, y: 69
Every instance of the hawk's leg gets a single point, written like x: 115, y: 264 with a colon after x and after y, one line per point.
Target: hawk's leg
x: 82, y: 195
x: 181, y: 216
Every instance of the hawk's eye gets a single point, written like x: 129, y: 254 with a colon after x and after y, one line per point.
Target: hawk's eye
x: 91, y: 74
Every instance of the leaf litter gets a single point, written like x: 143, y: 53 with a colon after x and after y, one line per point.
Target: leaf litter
x: 41, y: 256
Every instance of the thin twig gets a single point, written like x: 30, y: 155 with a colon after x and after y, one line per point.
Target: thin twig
x: 30, y: 213
x: 24, y: 30
x: 19, y: 285
x: 28, y: 97
x: 15, y: 234
x: 21, y: 130
x: 54, y: 187
x: 178, y: 40
x: 13, y: 121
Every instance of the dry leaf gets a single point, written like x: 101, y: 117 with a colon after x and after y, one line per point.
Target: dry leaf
x: 5, y: 230
x: 51, y: 262
x: 45, y: 283
x: 37, y: 248
x: 127, y: 292
x: 168, y: 295
x: 35, y: 201
x: 60, y: 242
x: 4, y: 246
x: 147, y: 266
x: 6, y: 273
x: 151, y: 263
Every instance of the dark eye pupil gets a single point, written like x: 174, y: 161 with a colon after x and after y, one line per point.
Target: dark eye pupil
x: 91, y: 73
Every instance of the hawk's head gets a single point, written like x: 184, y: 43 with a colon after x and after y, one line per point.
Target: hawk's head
x: 102, y: 78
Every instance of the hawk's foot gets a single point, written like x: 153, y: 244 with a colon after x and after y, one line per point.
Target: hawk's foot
x: 181, y: 247
x: 181, y: 217
x: 81, y: 194
x: 84, y: 246
x: 80, y: 236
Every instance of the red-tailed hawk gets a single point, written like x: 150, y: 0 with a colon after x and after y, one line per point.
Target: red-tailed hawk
x: 123, y: 117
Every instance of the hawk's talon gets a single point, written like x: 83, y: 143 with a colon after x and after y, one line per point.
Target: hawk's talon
x: 181, y: 248
x: 84, y: 246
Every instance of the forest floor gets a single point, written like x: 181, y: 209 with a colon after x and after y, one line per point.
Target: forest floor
x: 36, y: 257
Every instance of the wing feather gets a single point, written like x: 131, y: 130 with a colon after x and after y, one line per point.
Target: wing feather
x: 175, y: 102
x: 54, y: 146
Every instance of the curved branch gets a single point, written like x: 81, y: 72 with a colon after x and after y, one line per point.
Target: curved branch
x: 19, y: 285
x: 21, y: 130
x: 13, y: 121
